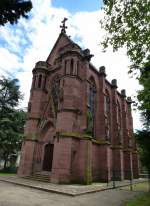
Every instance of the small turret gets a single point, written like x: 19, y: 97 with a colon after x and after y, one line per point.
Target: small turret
x: 39, y: 75
x: 114, y: 83
x: 123, y: 92
x: 102, y: 70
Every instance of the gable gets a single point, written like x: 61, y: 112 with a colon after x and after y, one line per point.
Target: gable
x: 61, y: 42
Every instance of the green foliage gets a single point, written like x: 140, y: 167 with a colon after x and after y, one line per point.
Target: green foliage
x: 11, y: 120
x: 142, y: 200
x: 144, y: 96
x: 12, y: 10
x: 7, y: 173
x: 127, y: 23
x: 9, y: 94
x: 12, y: 170
x: 143, y: 140
x: 140, y: 186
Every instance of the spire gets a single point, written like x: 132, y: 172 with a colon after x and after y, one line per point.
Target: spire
x: 63, y: 26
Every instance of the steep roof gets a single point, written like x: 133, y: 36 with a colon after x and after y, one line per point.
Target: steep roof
x: 62, y: 41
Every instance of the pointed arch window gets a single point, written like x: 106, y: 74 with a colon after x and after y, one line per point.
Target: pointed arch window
x: 108, y: 116
x: 34, y: 81
x: 71, y: 66
x: 91, y: 107
x: 44, y: 84
x: 77, y: 72
x: 55, y: 92
x: 118, y: 113
x: 119, y: 122
x: 40, y: 81
x: 107, y: 104
x: 65, y: 66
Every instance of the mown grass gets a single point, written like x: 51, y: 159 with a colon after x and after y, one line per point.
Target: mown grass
x: 143, y: 186
x: 142, y: 200
x: 7, y: 174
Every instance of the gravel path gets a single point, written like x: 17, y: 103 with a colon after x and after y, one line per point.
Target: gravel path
x: 11, y: 195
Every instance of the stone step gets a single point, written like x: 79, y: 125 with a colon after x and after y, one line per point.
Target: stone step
x: 39, y: 177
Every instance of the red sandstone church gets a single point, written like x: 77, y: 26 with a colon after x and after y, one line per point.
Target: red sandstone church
x: 79, y: 127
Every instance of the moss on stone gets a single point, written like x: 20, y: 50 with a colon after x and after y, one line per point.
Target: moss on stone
x: 127, y: 150
x: 84, y: 137
x: 88, y: 171
x: 135, y: 152
x: 88, y: 176
x: 74, y: 135
x: 117, y: 147
x: 31, y: 136
x: 101, y: 142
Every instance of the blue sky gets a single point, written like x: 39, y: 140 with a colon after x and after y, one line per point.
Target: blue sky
x: 22, y: 45
x: 78, y: 5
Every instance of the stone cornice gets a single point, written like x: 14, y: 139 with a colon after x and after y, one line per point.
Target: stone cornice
x: 101, y: 142
x: 83, y: 137
x: 116, y: 147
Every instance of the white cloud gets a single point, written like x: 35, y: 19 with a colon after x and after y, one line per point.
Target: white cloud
x: 25, y: 79
x: 42, y: 31
x: 8, y: 61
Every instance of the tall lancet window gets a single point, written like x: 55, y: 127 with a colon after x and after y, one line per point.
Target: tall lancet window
x: 119, y: 122
x: 118, y: 113
x: 55, y: 93
x: 91, y: 107
x: 34, y: 81
x: 108, y: 115
x: 71, y: 66
x: 40, y: 81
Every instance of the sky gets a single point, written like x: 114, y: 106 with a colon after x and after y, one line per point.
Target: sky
x: 31, y: 40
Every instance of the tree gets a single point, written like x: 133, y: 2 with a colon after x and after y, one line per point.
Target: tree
x: 11, y: 134
x: 127, y: 24
x: 11, y: 119
x: 143, y: 140
x: 9, y: 95
x: 144, y: 97
x: 12, y: 10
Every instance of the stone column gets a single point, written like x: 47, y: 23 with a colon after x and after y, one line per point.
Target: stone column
x: 118, y: 166
x: 61, y: 166
x: 135, y: 164
x: 128, y: 166
x: 27, y: 157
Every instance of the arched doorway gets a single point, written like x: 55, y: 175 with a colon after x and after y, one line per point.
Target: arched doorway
x: 48, y: 157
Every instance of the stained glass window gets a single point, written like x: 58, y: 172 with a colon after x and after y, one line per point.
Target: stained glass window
x: 119, y: 119
x: 108, y: 115
x: 91, y: 106
x: 55, y: 93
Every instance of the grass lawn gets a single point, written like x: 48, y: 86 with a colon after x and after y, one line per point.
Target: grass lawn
x: 6, y: 174
x: 142, y: 200
x: 143, y: 186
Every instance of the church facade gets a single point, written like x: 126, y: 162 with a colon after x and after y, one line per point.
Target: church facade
x: 79, y: 127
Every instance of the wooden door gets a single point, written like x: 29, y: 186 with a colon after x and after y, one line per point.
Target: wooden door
x: 48, y: 157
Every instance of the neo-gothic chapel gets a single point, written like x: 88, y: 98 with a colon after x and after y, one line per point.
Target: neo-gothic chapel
x: 79, y: 127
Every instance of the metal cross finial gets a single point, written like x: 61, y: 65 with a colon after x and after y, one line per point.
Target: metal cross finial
x: 63, y: 26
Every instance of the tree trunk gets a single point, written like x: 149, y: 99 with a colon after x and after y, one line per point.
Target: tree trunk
x: 5, y: 161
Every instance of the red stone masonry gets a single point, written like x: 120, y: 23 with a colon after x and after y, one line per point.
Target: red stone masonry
x: 79, y: 127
